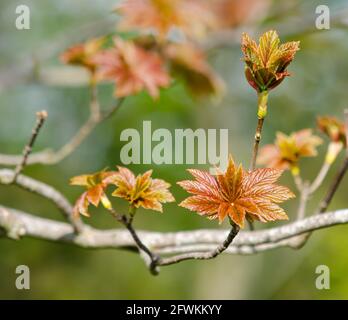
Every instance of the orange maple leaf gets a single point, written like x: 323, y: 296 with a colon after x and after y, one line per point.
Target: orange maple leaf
x: 83, y: 54
x: 286, y: 151
x: 96, y: 184
x: 193, y: 17
x: 132, y: 68
x: 237, y: 194
x: 233, y: 13
x: 333, y: 128
x: 141, y: 191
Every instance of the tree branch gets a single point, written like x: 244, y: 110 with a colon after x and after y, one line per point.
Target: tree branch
x: 44, y: 190
x: 246, y: 242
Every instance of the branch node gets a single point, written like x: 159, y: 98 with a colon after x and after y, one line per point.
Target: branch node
x: 13, y: 227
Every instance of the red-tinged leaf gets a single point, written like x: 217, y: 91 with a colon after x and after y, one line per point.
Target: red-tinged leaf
x: 223, y: 211
x: 270, y: 211
x: 268, y: 48
x: 94, y: 195
x: 237, y: 214
x: 142, y: 183
x: 125, y: 177
x: 203, y: 177
x: 266, y: 63
x: 200, y: 189
x: 132, y: 68
x: 81, y: 206
x: 200, y: 204
x: 238, y: 194
x: 150, y: 204
x: 333, y: 128
x: 275, y: 193
x: 141, y: 191
x: 83, y: 54
x: 159, y: 191
x: 193, y: 17
x: 288, y: 150
x: 80, y: 180
x: 207, y: 182
x: 95, y: 184
x: 260, y: 178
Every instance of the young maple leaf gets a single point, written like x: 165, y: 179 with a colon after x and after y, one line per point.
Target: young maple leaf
x: 336, y: 131
x: 266, y: 63
x: 96, y: 184
x: 233, y: 13
x: 333, y: 128
x: 193, y: 17
x: 190, y: 63
x: 286, y: 151
x: 237, y: 194
x: 141, y: 191
x: 82, y: 54
x: 132, y: 68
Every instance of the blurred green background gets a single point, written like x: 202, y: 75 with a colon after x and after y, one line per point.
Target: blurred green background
x: 318, y: 86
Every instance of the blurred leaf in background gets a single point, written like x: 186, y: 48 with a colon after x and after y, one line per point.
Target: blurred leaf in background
x: 318, y: 86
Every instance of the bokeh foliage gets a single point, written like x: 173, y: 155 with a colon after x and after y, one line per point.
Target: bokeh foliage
x: 318, y: 86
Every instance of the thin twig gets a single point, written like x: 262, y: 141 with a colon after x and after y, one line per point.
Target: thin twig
x: 127, y: 222
x: 262, y: 102
x: 50, y: 157
x: 85, y: 130
x: 334, y: 186
x: 320, y: 177
x: 251, y: 225
x: 94, y: 104
x: 257, y: 140
x: 339, y: 176
x: 346, y: 127
x: 40, y: 119
x: 202, y: 255
x: 74, y: 142
x: 298, y: 182
x: 324, y: 204
x: 106, y: 115
x: 305, y: 193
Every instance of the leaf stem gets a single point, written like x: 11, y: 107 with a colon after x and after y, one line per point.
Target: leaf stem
x: 340, y: 174
x: 261, y: 114
x: 305, y: 194
x: 152, y: 262
x: 295, y: 172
